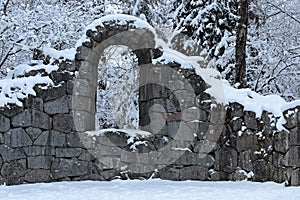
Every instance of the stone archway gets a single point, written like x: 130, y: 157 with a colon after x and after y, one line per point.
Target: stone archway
x: 141, y: 41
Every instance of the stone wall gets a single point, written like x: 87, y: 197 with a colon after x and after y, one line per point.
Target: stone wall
x: 46, y: 139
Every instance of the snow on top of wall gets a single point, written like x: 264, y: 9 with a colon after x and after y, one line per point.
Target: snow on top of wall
x: 15, y: 86
x: 120, y: 19
x: 25, y: 68
x: 13, y: 90
x: 129, y: 132
x: 224, y: 93
x: 134, y: 135
x: 56, y: 54
x: 257, y: 103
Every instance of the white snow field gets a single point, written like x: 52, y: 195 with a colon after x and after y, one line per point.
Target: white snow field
x: 150, y: 189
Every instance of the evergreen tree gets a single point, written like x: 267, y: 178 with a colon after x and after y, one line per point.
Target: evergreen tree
x: 206, y: 21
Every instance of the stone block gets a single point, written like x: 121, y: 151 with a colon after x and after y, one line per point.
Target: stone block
x: 70, y: 86
x: 38, y: 175
x: 59, y: 105
x: 291, y: 120
x: 22, y: 119
x: 11, y: 111
x: 236, y: 124
x: 205, y: 146
x: 263, y: 170
x: 74, y: 140
x: 68, y: 152
x: 130, y: 157
x: 39, y: 162
x: 4, y: 124
x: 250, y: 120
x: 169, y: 173
x: 82, y: 103
x: 226, y: 159
x: 115, y: 139
x: 279, y: 175
x: 110, y: 174
x: 282, y: 141
x: 39, y: 151
x: 184, y: 133
x: 189, y: 158
x: 110, y: 163
x: 17, y: 138
x: 292, y: 157
x: 16, y: 168
x: 192, y: 114
x: 239, y: 175
x: 8, y: 154
x: 236, y: 110
x: 83, y: 121
x: 51, y: 93
x: 245, y: 160
x: 139, y: 170
x: 81, y: 87
x: 34, y: 103
x: 247, y: 141
x: 34, y: 118
x: 33, y: 133
x: 51, y: 138
x: 294, y: 136
x: 63, y: 123
x: 110, y: 150
x: 62, y: 168
x: 41, y: 120
x: 295, y: 177
x: 82, y: 53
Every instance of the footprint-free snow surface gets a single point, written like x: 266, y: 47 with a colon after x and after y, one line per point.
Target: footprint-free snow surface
x: 150, y: 189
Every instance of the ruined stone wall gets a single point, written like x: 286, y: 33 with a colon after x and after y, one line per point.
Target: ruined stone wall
x: 46, y: 139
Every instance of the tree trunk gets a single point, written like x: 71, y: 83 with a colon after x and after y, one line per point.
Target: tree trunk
x: 241, y: 39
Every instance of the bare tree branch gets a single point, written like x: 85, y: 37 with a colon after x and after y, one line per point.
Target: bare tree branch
x: 5, y: 7
x: 289, y: 15
x: 6, y: 57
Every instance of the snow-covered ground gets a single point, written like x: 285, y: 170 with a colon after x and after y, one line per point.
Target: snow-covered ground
x: 150, y: 189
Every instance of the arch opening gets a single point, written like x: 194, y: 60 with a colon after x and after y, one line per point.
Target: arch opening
x: 117, y: 89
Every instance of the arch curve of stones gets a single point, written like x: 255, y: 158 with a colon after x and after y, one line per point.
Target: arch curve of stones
x: 44, y: 140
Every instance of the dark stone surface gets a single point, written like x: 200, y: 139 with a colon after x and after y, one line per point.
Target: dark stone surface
x: 4, y: 124
x: 51, y: 93
x: 34, y: 103
x: 9, y: 153
x: 250, y: 120
x: 63, y: 123
x: 68, y: 152
x: 59, y: 105
x: 11, y: 111
x: 38, y: 150
x: 51, y: 138
x: 169, y: 173
x: 262, y: 170
x: 247, y: 141
x: 17, y: 138
x: 39, y: 162
x: 292, y: 158
x: 38, y: 175
x: 34, y: 133
x: 68, y: 167
x: 226, y: 159
x: 194, y: 173
x: 34, y: 118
